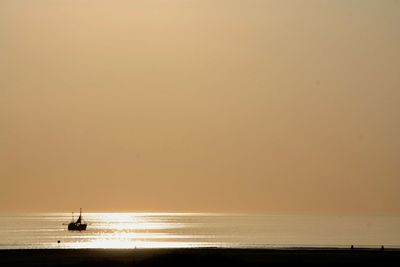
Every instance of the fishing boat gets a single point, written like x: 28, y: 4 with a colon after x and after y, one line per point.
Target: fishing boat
x: 78, y: 225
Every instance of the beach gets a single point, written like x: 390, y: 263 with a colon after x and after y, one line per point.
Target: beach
x: 200, y: 257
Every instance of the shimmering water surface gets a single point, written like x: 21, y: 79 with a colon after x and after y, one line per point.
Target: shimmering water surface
x: 162, y: 230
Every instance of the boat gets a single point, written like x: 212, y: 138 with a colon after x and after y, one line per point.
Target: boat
x: 78, y: 225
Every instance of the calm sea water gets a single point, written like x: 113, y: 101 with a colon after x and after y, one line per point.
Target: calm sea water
x: 162, y: 230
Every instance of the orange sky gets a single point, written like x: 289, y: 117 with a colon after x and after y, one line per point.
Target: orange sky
x: 204, y: 105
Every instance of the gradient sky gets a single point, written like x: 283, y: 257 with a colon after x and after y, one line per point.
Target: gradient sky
x: 201, y: 106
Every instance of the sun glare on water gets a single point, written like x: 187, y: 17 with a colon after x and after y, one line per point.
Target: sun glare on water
x: 130, y: 230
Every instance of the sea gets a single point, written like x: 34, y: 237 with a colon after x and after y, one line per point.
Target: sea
x: 193, y: 230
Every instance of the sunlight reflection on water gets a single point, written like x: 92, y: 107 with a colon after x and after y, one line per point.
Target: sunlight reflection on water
x: 172, y: 230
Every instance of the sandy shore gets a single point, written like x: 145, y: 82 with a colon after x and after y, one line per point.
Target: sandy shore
x: 200, y: 257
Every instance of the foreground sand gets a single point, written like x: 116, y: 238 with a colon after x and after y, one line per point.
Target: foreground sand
x: 200, y: 257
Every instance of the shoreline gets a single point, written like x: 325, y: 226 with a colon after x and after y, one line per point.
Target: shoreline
x: 200, y: 257
x: 355, y: 248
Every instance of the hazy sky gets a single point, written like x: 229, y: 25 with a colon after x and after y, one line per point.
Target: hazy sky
x: 204, y: 105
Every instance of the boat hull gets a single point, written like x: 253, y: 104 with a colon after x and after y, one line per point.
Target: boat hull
x: 76, y: 227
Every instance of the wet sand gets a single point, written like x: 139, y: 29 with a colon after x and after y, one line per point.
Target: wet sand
x: 200, y: 257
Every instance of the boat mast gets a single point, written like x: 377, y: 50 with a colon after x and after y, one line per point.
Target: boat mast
x: 80, y: 216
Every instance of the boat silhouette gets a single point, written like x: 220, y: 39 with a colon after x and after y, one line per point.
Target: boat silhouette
x: 78, y: 225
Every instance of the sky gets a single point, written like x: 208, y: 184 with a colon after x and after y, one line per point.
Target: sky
x: 247, y: 106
